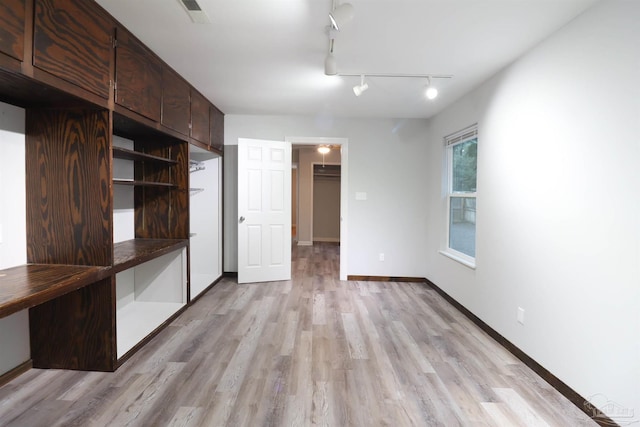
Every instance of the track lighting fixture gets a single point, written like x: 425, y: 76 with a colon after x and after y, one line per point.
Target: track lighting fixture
x: 358, y: 89
x: 330, y: 66
x: 431, y: 92
x: 341, y: 15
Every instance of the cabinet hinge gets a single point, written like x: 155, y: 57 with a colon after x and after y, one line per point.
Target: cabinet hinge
x: 114, y: 42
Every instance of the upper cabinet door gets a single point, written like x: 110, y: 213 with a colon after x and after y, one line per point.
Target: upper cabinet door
x: 72, y: 40
x: 175, y: 101
x: 199, y: 117
x: 12, y: 28
x: 138, y: 77
x: 217, y: 128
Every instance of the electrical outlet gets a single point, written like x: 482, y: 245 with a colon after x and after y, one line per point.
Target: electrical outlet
x: 381, y: 256
x: 520, y: 315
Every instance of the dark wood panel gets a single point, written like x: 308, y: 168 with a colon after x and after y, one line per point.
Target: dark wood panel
x: 77, y: 330
x: 68, y: 187
x: 175, y: 101
x: 12, y: 19
x: 73, y: 41
x: 29, y: 285
x: 138, y: 77
x: 217, y: 128
x: 130, y: 253
x: 199, y: 117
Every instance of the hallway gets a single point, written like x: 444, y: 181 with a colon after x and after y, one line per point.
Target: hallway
x: 311, y: 351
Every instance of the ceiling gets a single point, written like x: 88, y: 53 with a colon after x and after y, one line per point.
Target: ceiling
x: 267, y: 56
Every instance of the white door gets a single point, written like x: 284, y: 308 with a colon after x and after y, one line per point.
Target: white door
x: 264, y: 210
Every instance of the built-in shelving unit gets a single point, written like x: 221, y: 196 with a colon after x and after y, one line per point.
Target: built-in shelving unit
x: 108, y: 225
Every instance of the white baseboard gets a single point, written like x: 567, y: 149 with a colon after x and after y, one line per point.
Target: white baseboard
x: 304, y: 243
x: 327, y: 239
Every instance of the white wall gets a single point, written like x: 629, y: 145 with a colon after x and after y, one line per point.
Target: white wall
x: 558, y: 230
x: 14, y: 329
x: 386, y: 160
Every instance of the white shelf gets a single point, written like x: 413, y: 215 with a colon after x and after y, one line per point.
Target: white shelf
x: 138, y: 319
x: 147, y: 295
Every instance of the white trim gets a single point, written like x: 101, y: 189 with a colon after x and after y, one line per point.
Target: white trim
x: 304, y: 243
x: 460, y: 257
x: 326, y: 239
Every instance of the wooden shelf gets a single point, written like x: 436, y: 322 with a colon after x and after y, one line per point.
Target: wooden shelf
x: 28, y: 285
x: 130, y: 253
x: 126, y: 154
x: 143, y: 183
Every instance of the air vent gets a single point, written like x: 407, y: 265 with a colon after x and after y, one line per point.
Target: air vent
x: 191, y: 5
x: 195, y: 12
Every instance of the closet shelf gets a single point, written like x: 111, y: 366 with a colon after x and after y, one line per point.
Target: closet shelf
x: 126, y: 154
x: 28, y: 285
x: 133, y: 252
x: 143, y: 183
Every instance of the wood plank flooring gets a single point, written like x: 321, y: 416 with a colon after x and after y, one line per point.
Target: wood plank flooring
x: 312, y: 351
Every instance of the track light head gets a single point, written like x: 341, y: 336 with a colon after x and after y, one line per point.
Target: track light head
x: 360, y: 88
x: 330, y: 66
x: 341, y: 15
x: 431, y: 92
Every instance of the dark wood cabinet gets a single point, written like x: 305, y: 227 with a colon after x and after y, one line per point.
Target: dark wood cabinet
x: 138, y: 77
x: 217, y: 128
x: 81, y: 54
x: 175, y: 101
x: 12, y: 18
x: 199, y: 117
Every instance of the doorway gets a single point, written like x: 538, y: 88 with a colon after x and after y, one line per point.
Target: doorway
x: 305, y: 160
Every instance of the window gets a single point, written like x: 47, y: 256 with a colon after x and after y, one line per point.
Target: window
x: 462, y: 160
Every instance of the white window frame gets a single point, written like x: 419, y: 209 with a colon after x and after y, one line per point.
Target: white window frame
x: 451, y: 141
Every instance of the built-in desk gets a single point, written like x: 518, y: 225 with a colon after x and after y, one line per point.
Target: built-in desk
x: 29, y: 285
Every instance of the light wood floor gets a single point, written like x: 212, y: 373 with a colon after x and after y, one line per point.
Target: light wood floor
x: 312, y: 351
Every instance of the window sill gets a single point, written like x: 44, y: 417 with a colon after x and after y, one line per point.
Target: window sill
x: 462, y: 259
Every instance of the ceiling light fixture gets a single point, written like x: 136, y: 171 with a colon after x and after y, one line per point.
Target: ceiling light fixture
x: 341, y: 15
x: 324, y: 149
x: 358, y: 89
x: 431, y: 92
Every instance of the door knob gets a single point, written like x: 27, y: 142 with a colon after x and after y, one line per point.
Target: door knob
x: 242, y: 219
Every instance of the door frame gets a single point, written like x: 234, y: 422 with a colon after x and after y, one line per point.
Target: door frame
x: 344, y: 190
